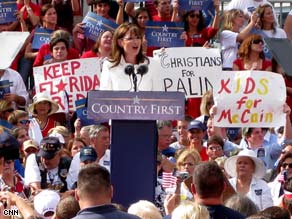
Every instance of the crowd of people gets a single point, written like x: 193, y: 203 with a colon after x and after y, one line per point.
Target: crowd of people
x: 53, y: 168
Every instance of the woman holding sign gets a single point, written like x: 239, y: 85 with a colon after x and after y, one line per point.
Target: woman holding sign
x: 127, y: 68
x: 251, y: 55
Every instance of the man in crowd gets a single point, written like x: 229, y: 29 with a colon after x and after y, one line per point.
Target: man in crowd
x: 94, y: 193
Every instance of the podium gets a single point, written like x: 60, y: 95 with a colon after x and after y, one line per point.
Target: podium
x: 134, y: 137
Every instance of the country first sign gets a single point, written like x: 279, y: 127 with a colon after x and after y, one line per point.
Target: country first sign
x: 146, y: 105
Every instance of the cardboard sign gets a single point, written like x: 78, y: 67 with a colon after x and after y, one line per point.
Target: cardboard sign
x: 250, y: 99
x: 7, y: 11
x: 95, y: 25
x: 74, y: 77
x: 142, y: 105
x: 191, y: 70
x: 164, y: 34
x: 41, y: 36
x: 11, y: 43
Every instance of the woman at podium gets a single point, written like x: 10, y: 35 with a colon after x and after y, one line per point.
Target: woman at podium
x: 127, y: 68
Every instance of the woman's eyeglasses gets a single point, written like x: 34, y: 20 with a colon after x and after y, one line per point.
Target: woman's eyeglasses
x: 257, y: 41
x: 24, y: 122
x: 285, y: 165
x: 194, y: 16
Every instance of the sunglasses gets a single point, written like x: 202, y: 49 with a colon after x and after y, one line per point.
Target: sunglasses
x: 24, y: 122
x: 257, y: 41
x: 285, y: 165
x: 194, y: 16
x: 9, y: 110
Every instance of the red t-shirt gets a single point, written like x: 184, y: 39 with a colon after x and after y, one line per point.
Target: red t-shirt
x: 44, y: 54
x: 89, y: 54
x: 239, y: 62
x: 157, y: 18
x: 203, y: 154
x: 200, y: 38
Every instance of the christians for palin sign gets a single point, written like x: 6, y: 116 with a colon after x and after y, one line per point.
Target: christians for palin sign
x: 143, y: 105
x: 250, y: 99
x: 191, y: 70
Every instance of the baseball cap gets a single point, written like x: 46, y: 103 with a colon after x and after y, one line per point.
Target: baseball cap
x: 59, y: 136
x: 30, y: 144
x: 49, y: 146
x: 196, y: 124
x: 9, y: 146
x: 45, y: 202
x: 88, y: 154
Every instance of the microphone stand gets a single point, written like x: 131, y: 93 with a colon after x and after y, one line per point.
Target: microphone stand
x: 134, y: 76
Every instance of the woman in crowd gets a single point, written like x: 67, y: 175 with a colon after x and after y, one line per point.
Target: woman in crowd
x: 196, y: 32
x: 284, y: 172
x: 247, y: 171
x: 119, y: 72
x: 19, y: 118
x: 75, y: 145
x: 186, y: 163
x: 267, y: 24
x: 233, y: 34
x: 102, y: 46
x: 6, y: 108
x: 57, y: 50
x: 42, y: 108
x: 251, y: 55
x: 215, y: 146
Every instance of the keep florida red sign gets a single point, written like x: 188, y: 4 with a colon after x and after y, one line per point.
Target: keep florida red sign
x: 68, y: 81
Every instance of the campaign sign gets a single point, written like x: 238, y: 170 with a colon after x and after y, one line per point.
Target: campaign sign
x: 191, y: 70
x: 164, y: 34
x: 81, y: 111
x: 143, y: 105
x: 207, y: 7
x: 4, y: 88
x: 74, y: 77
x: 95, y: 25
x: 41, y: 36
x: 7, y: 11
x: 249, y: 99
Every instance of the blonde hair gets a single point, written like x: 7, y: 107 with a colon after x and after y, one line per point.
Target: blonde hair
x: 190, y: 210
x: 15, y: 115
x: 229, y: 17
x: 193, y: 153
x: 61, y: 130
x: 145, y: 210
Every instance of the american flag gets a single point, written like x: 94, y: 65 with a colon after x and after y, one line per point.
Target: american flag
x: 168, y: 180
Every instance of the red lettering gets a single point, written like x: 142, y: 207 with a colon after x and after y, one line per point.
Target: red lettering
x: 249, y: 86
x: 47, y: 72
x: 224, y: 86
x: 64, y: 67
x: 243, y: 116
x: 226, y: 114
x: 58, y: 100
x: 74, y: 65
x: 73, y: 84
x: 96, y: 82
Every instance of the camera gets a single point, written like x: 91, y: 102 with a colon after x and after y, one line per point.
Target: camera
x: 183, y: 174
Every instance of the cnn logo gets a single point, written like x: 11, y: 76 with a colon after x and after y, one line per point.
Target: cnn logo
x: 10, y: 212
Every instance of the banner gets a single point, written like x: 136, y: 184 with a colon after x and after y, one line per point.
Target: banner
x: 95, y: 24
x: 191, y: 70
x: 164, y: 34
x: 7, y: 11
x: 41, y: 36
x: 74, y: 77
x: 250, y: 99
x: 142, y: 105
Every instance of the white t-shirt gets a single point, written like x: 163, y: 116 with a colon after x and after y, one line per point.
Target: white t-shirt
x: 279, y: 33
x: 229, y: 47
x: 75, y: 167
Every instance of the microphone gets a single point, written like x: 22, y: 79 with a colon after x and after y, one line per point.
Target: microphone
x: 142, y: 69
x: 129, y: 70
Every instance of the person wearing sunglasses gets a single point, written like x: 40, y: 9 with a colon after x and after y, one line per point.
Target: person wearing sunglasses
x: 196, y: 31
x: 284, y: 172
x: 251, y: 55
x: 19, y: 118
